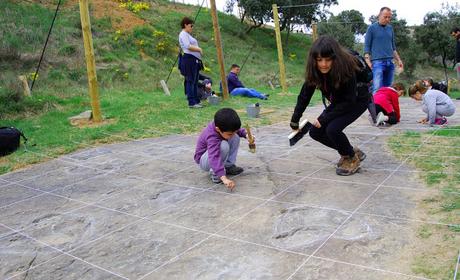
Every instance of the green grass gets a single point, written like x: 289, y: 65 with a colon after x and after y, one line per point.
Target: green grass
x: 133, y: 115
x: 438, y: 159
x: 130, y: 65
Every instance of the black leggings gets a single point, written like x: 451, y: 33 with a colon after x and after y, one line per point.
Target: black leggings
x: 391, y: 116
x: 331, y: 134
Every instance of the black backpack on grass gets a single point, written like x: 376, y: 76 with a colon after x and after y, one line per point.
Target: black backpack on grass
x: 10, y: 140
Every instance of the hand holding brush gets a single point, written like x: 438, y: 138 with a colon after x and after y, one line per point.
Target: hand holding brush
x: 251, y: 139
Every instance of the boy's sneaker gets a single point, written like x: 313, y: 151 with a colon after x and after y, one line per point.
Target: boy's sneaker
x: 440, y: 121
x: 214, y: 178
x: 380, y: 119
x: 233, y: 170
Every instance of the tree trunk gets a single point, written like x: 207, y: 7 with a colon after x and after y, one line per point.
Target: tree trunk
x: 243, y: 16
x: 444, y: 64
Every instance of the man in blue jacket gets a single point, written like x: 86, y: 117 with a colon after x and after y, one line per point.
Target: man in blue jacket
x: 236, y: 87
x: 380, y: 50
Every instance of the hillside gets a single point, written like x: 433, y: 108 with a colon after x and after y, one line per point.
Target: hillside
x: 134, y: 51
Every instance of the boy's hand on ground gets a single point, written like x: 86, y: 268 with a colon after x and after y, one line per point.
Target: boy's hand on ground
x: 228, y: 183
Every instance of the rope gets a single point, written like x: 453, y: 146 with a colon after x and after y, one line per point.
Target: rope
x: 44, y: 47
x: 177, y: 58
x: 247, y: 56
x: 298, y: 6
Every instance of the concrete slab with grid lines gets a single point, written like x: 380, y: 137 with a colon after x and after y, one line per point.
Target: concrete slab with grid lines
x: 143, y: 210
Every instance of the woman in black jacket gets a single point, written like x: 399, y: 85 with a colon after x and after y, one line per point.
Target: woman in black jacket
x: 332, y: 69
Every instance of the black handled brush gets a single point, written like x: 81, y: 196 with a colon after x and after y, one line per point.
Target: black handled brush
x: 295, y: 136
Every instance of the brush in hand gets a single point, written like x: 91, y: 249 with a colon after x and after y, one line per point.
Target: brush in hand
x: 251, y: 140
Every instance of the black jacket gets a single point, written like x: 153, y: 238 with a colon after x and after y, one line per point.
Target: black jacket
x: 343, y: 99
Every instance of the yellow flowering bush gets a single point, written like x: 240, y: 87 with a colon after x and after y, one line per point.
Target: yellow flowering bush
x: 134, y: 6
x: 292, y: 56
x: 33, y: 76
x: 158, y: 34
x: 118, y: 34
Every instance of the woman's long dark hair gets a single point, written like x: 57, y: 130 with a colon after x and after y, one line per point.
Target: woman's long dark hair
x: 344, y: 64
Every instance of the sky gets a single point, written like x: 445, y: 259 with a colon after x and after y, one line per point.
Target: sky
x: 413, y: 12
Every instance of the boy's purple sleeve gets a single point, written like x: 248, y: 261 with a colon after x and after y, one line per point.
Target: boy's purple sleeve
x: 215, y: 162
x: 242, y: 132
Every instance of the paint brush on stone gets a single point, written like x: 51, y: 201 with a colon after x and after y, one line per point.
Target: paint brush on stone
x: 251, y: 139
x: 295, y: 136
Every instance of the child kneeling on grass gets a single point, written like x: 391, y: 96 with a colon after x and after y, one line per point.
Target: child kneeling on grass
x: 217, y: 147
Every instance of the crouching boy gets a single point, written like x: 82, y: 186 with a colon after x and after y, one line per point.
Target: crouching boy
x: 217, y: 147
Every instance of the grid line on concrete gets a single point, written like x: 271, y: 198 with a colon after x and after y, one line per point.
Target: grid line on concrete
x: 351, y: 215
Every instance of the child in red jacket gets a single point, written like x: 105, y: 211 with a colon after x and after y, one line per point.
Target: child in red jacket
x: 387, y: 104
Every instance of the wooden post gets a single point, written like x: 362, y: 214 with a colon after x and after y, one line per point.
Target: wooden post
x: 220, y: 56
x: 314, y: 28
x: 90, y: 61
x: 25, y: 86
x: 280, y: 49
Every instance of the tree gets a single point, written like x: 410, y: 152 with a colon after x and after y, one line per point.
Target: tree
x: 355, y: 19
x: 344, y: 27
x: 341, y: 32
x: 434, y: 34
x: 260, y: 11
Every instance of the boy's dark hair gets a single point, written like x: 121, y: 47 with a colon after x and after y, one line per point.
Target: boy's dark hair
x: 227, y: 120
x: 235, y: 66
x: 455, y: 30
x: 185, y: 21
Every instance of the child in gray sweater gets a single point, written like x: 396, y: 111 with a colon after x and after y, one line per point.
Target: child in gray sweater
x: 436, y: 104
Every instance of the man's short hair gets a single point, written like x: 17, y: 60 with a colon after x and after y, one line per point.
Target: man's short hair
x: 235, y: 66
x: 383, y: 9
x: 185, y: 21
x: 455, y: 30
x: 227, y: 120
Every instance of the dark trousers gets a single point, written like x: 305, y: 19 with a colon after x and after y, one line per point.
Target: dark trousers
x: 331, y: 134
x: 391, y: 116
x: 191, y: 69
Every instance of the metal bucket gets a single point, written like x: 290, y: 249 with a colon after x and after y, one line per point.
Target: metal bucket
x: 253, y: 110
x: 214, y: 99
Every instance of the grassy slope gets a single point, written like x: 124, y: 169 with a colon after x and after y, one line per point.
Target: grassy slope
x: 128, y: 76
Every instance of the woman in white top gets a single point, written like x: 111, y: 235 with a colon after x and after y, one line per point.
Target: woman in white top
x: 190, y: 63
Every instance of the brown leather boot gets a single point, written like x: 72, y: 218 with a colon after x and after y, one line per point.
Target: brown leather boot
x: 361, y: 156
x: 348, y: 166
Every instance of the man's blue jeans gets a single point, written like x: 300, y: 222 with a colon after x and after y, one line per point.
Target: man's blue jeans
x: 382, y: 71
x: 248, y: 92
